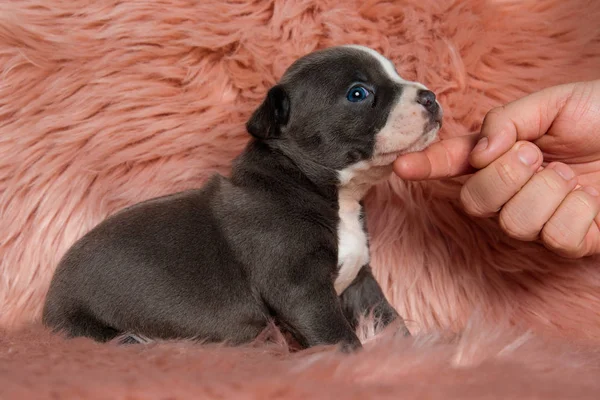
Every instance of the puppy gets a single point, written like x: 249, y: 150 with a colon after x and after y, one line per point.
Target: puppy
x: 283, y: 238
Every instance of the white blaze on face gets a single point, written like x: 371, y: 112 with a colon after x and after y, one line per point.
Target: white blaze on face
x: 405, y: 131
x: 386, y: 64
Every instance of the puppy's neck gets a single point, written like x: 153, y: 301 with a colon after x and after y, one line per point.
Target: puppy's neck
x: 352, y: 183
x: 357, y: 180
x: 271, y: 165
x: 349, y: 185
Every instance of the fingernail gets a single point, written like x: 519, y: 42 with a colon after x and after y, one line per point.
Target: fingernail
x: 591, y: 190
x: 565, y: 172
x: 528, y: 155
x: 481, y: 145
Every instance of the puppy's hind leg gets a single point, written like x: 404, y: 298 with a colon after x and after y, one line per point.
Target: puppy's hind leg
x: 81, y: 324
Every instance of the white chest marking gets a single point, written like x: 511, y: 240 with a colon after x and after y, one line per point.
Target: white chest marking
x: 353, y: 249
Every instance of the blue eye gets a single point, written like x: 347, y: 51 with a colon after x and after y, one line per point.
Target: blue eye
x: 357, y: 93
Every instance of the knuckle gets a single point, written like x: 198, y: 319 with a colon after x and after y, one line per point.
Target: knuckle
x: 507, y: 174
x: 515, y: 227
x: 582, y: 203
x: 494, y: 112
x: 557, y: 237
x: 550, y: 181
x: 492, y: 117
x: 470, y: 204
x: 581, y: 100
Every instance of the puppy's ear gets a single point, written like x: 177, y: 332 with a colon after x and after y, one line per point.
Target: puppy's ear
x: 273, y: 113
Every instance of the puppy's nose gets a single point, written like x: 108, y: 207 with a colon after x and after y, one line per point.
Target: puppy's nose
x: 427, y: 99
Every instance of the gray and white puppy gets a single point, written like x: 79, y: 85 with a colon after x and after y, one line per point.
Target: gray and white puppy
x: 283, y: 238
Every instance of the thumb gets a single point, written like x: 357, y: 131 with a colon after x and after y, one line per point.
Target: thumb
x: 443, y: 159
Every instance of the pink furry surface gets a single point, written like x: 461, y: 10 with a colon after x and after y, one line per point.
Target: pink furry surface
x: 36, y: 365
x: 107, y: 103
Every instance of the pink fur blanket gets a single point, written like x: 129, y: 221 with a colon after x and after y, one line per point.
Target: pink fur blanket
x: 106, y: 103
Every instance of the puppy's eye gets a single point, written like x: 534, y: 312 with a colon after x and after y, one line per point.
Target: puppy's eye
x: 357, y: 93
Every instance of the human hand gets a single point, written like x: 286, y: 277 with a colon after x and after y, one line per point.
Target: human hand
x: 536, y: 166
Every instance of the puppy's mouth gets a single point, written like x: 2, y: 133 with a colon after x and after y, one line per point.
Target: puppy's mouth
x: 421, y: 143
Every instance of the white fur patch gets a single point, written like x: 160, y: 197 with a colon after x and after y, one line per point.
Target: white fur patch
x: 353, y: 249
x: 386, y: 65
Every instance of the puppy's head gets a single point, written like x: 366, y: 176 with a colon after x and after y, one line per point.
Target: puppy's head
x: 346, y: 109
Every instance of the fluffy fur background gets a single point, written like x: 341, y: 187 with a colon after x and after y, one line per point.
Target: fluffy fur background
x: 107, y: 103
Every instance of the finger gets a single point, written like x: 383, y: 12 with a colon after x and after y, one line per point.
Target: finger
x: 489, y: 189
x: 525, y: 119
x: 567, y: 231
x: 443, y: 159
x: 524, y: 216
